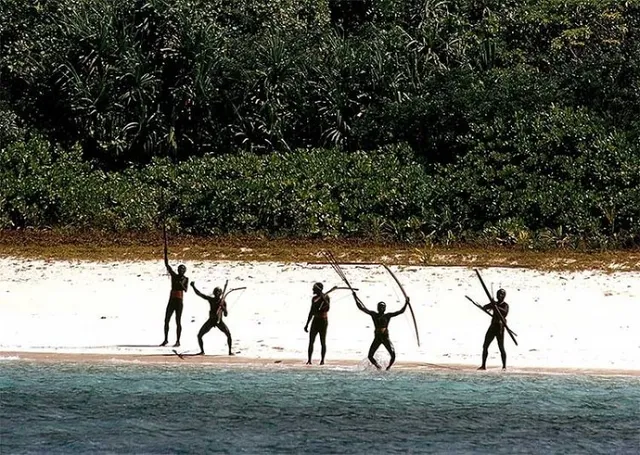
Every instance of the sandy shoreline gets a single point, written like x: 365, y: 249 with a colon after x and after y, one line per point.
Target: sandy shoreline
x: 74, y: 311
x: 270, y: 363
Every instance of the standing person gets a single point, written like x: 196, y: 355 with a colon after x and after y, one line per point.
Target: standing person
x: 179, y: 285
x: 217, y: 308
x: 496, y: 329
x: 320, y: 313
x: 381, y: 329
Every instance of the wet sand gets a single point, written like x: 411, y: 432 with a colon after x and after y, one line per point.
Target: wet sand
x: 221, y: 361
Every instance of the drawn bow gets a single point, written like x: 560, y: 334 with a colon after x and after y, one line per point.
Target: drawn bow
x: 413, y: 316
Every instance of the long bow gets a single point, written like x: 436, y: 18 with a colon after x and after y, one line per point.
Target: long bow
x: 487, y: 312
x: 495, y: 307
x: 224, y: 291
x: 234, y: 289
x: 415, y: 324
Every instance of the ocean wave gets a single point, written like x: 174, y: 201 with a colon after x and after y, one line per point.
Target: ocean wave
x: 9, y: 358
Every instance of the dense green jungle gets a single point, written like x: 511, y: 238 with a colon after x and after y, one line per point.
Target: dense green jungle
x: 477, y: 122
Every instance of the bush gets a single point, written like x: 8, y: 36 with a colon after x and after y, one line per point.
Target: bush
x: 588, y: 197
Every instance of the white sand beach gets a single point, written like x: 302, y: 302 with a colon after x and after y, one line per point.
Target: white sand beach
x: 587, y: 321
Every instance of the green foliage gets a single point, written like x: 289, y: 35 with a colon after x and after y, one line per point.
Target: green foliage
x: 130, y: 81
x: 576, y: 199
x: 560, y: 169
x: 492, y: 121
x: 10, y: 131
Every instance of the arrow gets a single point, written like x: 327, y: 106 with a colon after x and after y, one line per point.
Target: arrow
x: 334, y: 264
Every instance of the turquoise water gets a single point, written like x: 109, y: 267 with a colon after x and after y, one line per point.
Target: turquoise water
x: 128, y: 408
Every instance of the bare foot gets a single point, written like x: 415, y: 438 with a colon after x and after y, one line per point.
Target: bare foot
x: 308, y: 362
x: 164, y: 343
x: 200, y: 353
x: 231, y: 353
x: 482, y: 368
x: 388, y: 367
x: 177, y: 345
x: 322, y: 362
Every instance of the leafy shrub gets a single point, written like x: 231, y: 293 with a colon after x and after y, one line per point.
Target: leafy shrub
x: 488, y: 197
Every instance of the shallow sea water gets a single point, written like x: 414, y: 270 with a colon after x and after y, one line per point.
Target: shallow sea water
x: 142, y: 408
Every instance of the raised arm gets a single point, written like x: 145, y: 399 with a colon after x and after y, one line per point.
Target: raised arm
x: 360, y: 305
x: 166, y: 252
x: 402, y: 310
x: 198, y: 293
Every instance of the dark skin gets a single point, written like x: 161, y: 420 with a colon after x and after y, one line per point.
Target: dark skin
x: 381, y: 321
x: 217, y: 308
x: 496, y: 329
x: 319, y: 307
x: 179, y: 284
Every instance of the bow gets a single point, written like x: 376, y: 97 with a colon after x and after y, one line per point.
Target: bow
x: 486, y: 311
x: 334, y: 264
x: 234, y: 289
x: 415, y: 325
x: 495, y: 308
